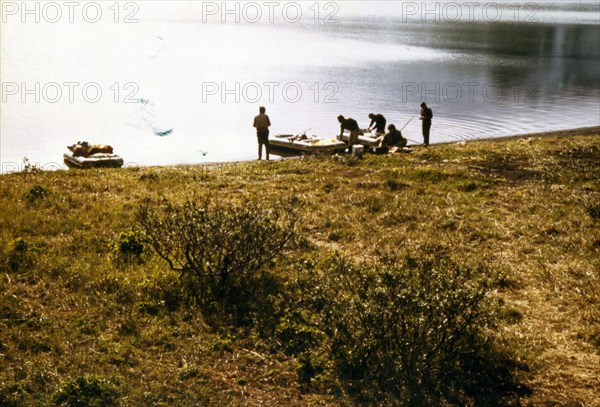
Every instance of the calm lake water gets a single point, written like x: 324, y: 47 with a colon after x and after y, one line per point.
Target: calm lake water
x: 488, y: 70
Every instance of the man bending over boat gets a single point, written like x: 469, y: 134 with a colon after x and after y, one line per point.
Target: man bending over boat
x: 377, y: 122
x: 262, y: 123
x: 352, y: 126
x: 393, y: 138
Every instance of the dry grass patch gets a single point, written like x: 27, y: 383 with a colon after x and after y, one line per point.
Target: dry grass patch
x: 76, y: 306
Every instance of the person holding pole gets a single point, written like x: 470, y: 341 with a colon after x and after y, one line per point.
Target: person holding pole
x: 426, y: 116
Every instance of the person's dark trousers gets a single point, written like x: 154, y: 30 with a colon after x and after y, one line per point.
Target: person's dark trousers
x: 263, y: 139
x: 426, y: 131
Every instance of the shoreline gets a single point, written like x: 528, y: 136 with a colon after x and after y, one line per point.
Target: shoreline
x: 578, y: 131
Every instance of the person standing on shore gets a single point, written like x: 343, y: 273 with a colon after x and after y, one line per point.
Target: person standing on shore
x: 352, y: 126
x: 426, y: 116
x: 377, y: 122
x: 262, y: 123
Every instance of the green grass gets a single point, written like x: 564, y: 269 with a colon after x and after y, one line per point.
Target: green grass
x: 73, y: 311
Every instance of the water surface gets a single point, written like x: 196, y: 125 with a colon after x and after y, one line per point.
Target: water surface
x: 188, y: 89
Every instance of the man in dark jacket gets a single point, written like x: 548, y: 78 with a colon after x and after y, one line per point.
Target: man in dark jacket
x: 377, y: 122
x: 393, y: 138
x: 352, y: 126
x: 262, y: 123
x: 426, y: 116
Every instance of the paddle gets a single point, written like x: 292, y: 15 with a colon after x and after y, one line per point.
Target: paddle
x: 303, y: 132
x: 409, y: 120
x: 407, y: 123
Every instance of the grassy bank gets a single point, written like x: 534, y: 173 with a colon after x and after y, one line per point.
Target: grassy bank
x: 86, y: 304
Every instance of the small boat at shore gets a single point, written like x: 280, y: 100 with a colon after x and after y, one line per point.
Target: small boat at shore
x: 301, y: 143
x: 366, y: 138
x: 85, y: 155
x: 99, y: 160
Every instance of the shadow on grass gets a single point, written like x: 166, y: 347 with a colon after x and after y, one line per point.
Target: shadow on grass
x: 513, y: 169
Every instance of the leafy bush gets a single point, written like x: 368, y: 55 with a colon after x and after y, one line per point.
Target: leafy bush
x: 37, y: 193
x: 29, y: 168
x: 11, y: 394
x: 412, y: 334
x: 151, y: 176
x: 469, y: 186
x: 594, y: 211
x: 130, y: 246
x: 20, y: 254
x: 297, y: 335
x: 221, y: 251
x: 395, y: 185
x: 301, y: 338
x: 88, y: 391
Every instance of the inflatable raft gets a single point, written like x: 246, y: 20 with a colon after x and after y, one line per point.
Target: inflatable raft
x: 366, y: 138
x: 99, y: 160
x: 86, y: 155
x: 306, y: 144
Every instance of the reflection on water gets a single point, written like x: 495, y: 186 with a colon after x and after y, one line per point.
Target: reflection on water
x: 482, y: 79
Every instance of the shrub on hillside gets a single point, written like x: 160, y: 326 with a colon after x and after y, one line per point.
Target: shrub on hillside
x: 29, y: 168
x: 130, y: 246
x: 594, y: 211
x: 412, y: 334
x: 221, y: 251
x: 37, y: 193
x: 88, y: 391
x: 12, y: 394
x: 20, y: 255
